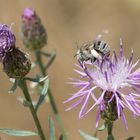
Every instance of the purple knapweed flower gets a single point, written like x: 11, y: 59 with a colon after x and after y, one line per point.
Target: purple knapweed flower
x: 29, y: 16
x: 33, y: 32
x: 28, y: 13
x: 118, y: 83
x: 7, y: 40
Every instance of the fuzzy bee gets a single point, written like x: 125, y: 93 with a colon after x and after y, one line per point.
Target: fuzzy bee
x: 92, y: 51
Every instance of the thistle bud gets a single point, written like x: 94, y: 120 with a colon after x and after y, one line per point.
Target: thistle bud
x: 16, y: 64
x: 7, y: 41
x: 33, y: 32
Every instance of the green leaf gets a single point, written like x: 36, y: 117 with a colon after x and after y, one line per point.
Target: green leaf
x: 37, y: 79
x: 18, y: 133
x: 86, y: 136
x: 43, y: 93
x: 52, y: 58
x: 130, y: 138
x: 45, y: 54
x: 14, y: 86
x: 101, y: 128
x: 51, y: 129
x: 45, y: 87
x: 43, y: 79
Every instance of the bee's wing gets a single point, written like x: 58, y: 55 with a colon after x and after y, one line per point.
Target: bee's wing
x: 95, y: 54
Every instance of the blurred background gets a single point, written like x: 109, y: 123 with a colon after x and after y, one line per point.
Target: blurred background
x: 68, y: 22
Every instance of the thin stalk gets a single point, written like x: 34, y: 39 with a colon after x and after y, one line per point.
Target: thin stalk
x: 23, y: 86
x: 52, y: 57
x: 109, y: 130
x: 57, y: 117
x: 39, y: 60
x: 95, y: 133
x: 52, y: 101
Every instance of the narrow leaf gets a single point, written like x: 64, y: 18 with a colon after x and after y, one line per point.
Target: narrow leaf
x: 14, y: 86
x: 43, y: 93
x: 52, y: 58
x: 37, y: 79
x: 45, y: 54
x: 18, y: 133
x: 45, y: 87
x: 43, y: 79
x: 86, y: 136
x: 51, y: 129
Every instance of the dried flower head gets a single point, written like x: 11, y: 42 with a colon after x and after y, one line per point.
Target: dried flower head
x: 16, y: 64
x: 118, y: 82
x: 33, y: 32
x: 7, y: 40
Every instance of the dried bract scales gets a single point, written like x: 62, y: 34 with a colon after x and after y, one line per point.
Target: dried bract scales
x: 16, y: 64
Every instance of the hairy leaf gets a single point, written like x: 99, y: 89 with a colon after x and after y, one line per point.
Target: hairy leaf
x: 20, y: 133
x: 37, y: 79
x: 51, y: 129
x: 43, y: 93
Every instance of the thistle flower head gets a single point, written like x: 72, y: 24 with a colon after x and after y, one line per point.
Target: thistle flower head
x: 33, y: 32
x: 7, y: 40
x: 28, y: 13
x: 119, y: 86
x: 16, y: 64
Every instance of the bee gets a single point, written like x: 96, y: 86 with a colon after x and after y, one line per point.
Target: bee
x: 93, y: 51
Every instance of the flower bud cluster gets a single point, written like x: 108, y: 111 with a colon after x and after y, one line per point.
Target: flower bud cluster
x: 15, y: 63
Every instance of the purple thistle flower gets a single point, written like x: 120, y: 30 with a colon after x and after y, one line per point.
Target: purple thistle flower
x: 28, y: 13
x: 7, y: 40
x: 118, y: 82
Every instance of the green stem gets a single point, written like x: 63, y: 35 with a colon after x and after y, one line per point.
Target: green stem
x: 52, y: 58
x: 23, y: 86
x: 57, y: 117
x: 109, y: 130
x: 39, y: 60
x: 52, y: 101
